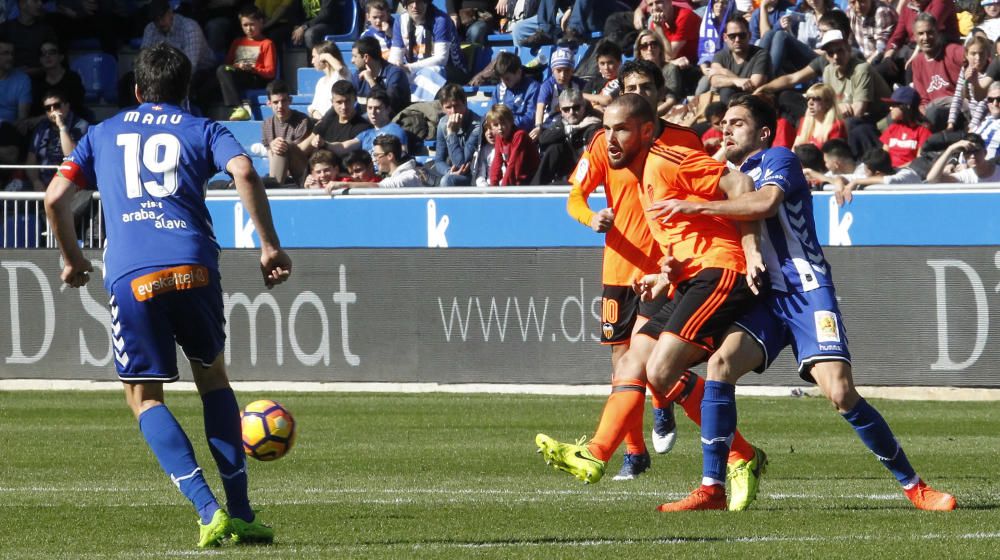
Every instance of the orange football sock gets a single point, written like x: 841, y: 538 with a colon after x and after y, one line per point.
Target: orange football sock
x: 621, y: 413
x: 659, y: 401
x: 690, y: 400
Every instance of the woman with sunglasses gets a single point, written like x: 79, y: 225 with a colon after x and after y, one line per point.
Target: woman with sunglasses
x: 822, y: 120
x: 55, y: 76
x: 650, y: 45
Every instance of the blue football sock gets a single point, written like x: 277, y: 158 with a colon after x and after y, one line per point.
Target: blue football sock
x: 225, y: 439
x: 876, y: 435
x: 718, y: 424
x: 176, y: 456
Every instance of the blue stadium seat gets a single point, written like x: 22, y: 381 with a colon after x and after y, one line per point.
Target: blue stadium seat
x: 247, y: 133
x: 307, y: 78
x: 99, y: 73
x: 500, y: 39
x: 479, y: 105
x: 353, y: 20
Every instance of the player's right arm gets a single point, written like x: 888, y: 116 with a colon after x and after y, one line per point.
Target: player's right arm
x: 275, y: 264
x: 58, y: 196
x: 590, y: 172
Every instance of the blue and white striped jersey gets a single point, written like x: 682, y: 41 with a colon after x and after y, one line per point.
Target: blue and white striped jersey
x: 791, y: 250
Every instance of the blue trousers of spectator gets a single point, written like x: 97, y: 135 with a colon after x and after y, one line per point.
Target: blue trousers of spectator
x: 589, y: 15
x: 788, y: 54
x: 545, y: 21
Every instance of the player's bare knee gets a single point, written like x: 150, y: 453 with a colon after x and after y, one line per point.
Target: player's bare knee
x: 628, y: 366
x: 720, y: 368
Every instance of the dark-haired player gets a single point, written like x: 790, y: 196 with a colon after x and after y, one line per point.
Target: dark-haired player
x: 707, y: 255
x: 801, y: 308
x: 630, y: 252
x: 161, y: 268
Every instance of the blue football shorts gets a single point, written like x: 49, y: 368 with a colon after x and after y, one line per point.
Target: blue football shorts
x: 154, y: 308
x: 770, y: 333
x: 816, y: 326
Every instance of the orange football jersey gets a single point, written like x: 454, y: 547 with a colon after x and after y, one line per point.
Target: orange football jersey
x: 697, y: 240
x: 629, y: 247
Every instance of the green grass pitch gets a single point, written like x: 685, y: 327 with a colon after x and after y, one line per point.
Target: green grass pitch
x: 456, y: 476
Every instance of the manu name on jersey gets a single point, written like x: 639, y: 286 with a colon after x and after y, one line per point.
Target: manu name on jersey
x: 792, y: 252
x: 151, y: 165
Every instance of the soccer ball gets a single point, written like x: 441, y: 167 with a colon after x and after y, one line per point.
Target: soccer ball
x: 268, y: 430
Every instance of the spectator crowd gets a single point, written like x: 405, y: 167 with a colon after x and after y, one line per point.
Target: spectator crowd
x: 869, y: 92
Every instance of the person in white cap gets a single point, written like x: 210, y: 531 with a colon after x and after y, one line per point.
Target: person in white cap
x: 858, y: 88
x: 991, y: 25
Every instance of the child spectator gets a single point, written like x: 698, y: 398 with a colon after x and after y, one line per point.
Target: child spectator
x: 458, y: 134
x: 380, y: 117
x: 327, y: 59
x: 250, y: 63
x: 712, y: 138
x: 323, y: 170
x: 374, y: 72
x: 991, y: 18
x: 378, y: 24
x: 822, y: 120
x: 603, y: 88
x: 483, y: 159
x: 812, y: 161
x: 360, y: 167
x: 281, y: 134
x: 54, y: 139
x: 547, y: 107
x: 341, y: 123
x: 425, y: 45
x: 879, y: 171
x: 516, y: 155
x: 516, y: 91
x: 906, y: 135
x: 387, y: 152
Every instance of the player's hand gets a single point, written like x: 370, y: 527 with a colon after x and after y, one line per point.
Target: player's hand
x: 275, y: 266
x: 650, y: 286
x: 664, y: 210
x: 757, y: 277
x: 603, y: 220
x: 671, y: 266
x: 77, y: 274
x: 842, y: 193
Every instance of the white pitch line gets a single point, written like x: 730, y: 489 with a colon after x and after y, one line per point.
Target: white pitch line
x: 897, y: 393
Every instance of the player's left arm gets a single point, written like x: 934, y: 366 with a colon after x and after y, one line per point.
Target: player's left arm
x: 740, y: 203
x: 275, y: 264
x: 58, y: 199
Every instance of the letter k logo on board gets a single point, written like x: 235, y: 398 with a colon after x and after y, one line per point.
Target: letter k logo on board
x: 436, y: 228
x: 839, y: 228
x: 243, y: 233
